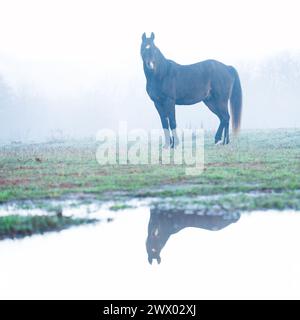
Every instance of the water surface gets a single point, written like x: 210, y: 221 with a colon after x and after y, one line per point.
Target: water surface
x: 253, y: 256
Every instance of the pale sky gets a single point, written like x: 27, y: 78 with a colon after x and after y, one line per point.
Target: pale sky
x: 65, y: 45
x: 101, y: 30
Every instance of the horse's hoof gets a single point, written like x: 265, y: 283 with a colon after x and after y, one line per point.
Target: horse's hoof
x: 218, y: 142
x: 225, y: 142
x: 174, y: 144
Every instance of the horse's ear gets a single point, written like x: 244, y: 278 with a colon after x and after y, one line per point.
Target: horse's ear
x: 144, y: 36
x: 152, y: 36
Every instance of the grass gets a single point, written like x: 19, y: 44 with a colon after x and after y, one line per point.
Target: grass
x: 16, y: 226
x: 120, y: 206
x: 266, y: 162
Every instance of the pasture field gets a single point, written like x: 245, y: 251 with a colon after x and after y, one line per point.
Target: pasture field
x: 257, y: 170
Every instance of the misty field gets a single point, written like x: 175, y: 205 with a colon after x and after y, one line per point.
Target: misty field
x: 258, y: 170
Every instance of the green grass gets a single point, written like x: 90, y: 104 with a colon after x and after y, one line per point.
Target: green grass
x: 120, y: 206
x: 16, y: 226
x: 257, y: 161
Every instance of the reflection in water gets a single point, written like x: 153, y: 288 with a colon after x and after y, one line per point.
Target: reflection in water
x: 164, y: 223
x: 253, y: 259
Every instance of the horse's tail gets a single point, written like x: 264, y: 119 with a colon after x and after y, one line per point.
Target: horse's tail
x: 236, y: 101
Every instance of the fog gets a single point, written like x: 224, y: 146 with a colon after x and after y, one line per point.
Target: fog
x: 70, y: 68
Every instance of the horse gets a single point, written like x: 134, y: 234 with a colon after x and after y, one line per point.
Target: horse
x: 162, y: 224
x: 210, y: 81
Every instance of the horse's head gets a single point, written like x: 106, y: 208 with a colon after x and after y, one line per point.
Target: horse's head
x: 155, y: 242
x: 149, y: 52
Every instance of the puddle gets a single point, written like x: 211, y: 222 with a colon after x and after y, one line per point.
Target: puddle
x: 216, y: 256
x: 87, y: 208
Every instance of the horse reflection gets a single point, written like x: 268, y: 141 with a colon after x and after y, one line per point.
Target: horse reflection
x: 163, y: 224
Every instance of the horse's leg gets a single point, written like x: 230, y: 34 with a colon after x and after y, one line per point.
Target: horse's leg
x: 219, y: 133
x: 212, y: 105
x: 172, y: 120
x: 226, y: 119
x: 165, y: 124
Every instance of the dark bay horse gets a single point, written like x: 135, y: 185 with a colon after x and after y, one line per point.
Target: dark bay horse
x: 210, y: 81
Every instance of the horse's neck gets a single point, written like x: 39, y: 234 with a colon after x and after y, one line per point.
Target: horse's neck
x: 163, y: 66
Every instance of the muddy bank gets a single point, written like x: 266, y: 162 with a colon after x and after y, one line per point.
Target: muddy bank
x: 78, y: 209
x: 17, y: 226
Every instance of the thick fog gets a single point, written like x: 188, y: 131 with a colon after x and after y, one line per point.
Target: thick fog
x: 70, y: 68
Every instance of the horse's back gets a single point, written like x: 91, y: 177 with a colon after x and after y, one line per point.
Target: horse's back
x: 208, y: 64
x: 216, y: 68
x: 207, y: 70
x: 195, y: 82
